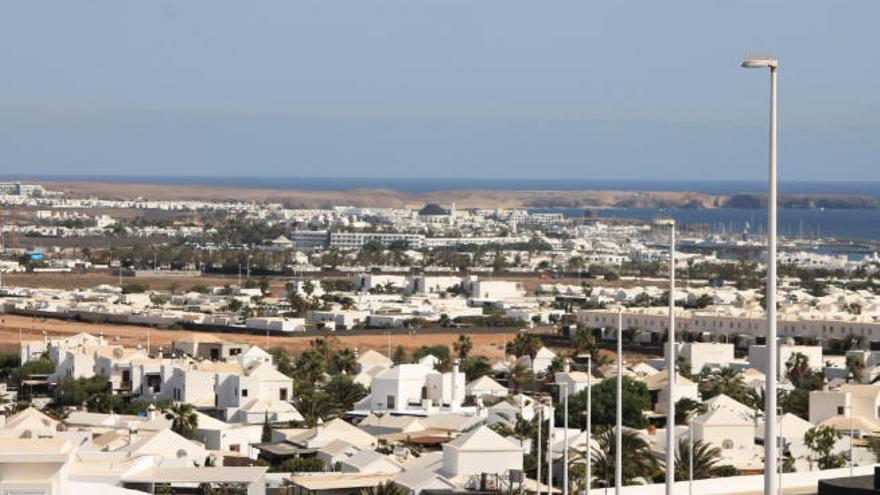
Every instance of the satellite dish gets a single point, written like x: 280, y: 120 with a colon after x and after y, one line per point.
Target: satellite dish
x: 117, y: 353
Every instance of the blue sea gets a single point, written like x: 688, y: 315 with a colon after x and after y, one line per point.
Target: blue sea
x: 794, y: 223
x: 846, y: 224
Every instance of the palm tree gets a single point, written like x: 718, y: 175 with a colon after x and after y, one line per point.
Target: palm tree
x: 639, y: 462
x: 183, y: 419
x: 797, y: 369
x: 583, y: 341
x: 856, y: 367
x: 387, y: 488
x: 706, y: 459
x: 523, y: 344
x: 727, y: 381
x: 344, y: 360
x: 316, y: 404
x: 463, y: 346
x: 520, y: 376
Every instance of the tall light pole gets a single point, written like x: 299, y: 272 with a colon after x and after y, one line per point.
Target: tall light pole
x: 565, y: 439
x: 852, y: 438
x: 690, y: 455
x: 670, y: 360
x: 540, y: 427
x: 588, y: 459
x: 770, y: 476
x: 618, y: 440
x: 550, y: 436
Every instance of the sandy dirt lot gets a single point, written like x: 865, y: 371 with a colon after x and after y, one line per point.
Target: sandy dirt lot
x: 69, y: 281
x: 13, y: 327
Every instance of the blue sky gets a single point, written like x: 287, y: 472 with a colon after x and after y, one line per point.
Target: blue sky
x: 437, y: 88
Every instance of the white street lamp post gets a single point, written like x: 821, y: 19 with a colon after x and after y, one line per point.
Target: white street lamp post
x: 565, y: 439
x: 618, y: 441
x: 691, y: 456
x: 670, y: 360
x: 540, y: 427
x: 588, y: 470
x: 550, y: 449
x: 770, y: 476
x: 852, y: 437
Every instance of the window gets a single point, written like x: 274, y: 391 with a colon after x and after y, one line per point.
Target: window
x: 235, y: 447
x: 390, y: 403
x: 282, y: 394
x: 840, y: 410
x: 244, y: 392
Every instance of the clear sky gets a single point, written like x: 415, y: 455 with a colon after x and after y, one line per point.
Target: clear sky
x: 437, y: 88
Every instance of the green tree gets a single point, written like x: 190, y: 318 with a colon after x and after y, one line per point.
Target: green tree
x: 387, y: 488
x: 344, y: 392
x: 524, y: 344
x: 343, y: 361
x: 705, y: 460
x: 475, y: 367
x: 638, y: 460
x: 463, y: 346
x: 310, y: 367
x: 856, y: 367
x: 520, y: 375
x: 299, y: 465
x: 94, y: 391
x: 34, y: 367
x: 266, y: 436
x: 684, y: 407
x: 183, y: 419
x: 584, y: 342
x: 439, y: 351
x: 820, y: 440
x: 636, y: 399
x: 797, y: 369
x: 399, y: 356
x: 727, y: 381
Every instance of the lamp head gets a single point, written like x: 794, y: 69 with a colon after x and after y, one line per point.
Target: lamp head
x: 759, y: 61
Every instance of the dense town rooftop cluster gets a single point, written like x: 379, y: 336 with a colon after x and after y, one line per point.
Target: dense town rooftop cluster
x: 84, y: 413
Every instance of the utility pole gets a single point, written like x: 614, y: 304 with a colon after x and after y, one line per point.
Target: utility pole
x: 565, y: 440
x: 770, y: 475
x: 538, y: 471
x: 550, y: 449
x: 618, y: 440
x: 588, y: 458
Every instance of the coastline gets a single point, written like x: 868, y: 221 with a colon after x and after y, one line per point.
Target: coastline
x: 463, y: 198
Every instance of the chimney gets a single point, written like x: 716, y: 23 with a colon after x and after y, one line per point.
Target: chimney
x: 160, y: 354
x: 566, y: 367
x: 455, y: 365
x: 319, y: 426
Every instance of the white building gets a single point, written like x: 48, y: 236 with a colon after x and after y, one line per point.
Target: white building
x: 758, y: 356
x: 408, y: 387
x: 701, y: 354
x: 480, y: 451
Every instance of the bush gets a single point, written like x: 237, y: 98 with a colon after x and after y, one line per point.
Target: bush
x: 134, y: 288
x: 299, y: 465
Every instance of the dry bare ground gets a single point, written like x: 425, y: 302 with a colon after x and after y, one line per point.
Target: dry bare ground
x: 13, y: 328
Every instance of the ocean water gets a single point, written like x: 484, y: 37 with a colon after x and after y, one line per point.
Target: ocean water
x: 799, y: 223
x: 846, y: 224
